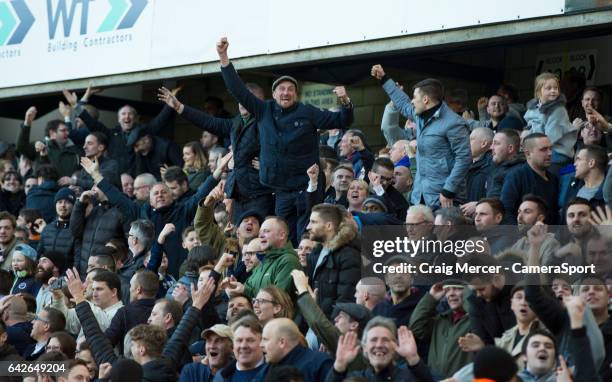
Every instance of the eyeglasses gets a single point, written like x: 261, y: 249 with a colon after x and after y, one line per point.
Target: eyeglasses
x: 53, y: 348
x: 415, y: 224
x: 250, y: 254
x: 259, y: 301
x: 39, y: 318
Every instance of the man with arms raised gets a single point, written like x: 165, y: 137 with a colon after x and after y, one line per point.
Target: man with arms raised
x: 287, y: 135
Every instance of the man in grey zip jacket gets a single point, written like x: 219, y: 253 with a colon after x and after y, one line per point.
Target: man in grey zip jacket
x: 443, y: 145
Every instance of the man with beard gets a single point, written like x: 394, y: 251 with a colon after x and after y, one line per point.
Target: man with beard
x: 236, y: 305
x: 579, y: 229
x: 490, y: 302
x: 404, y: 298
x: 532, y: 178
x: 248, y: 355
x: 497, y: 109
x: 57, y: 236
x: 341, y: 178
x: 531, y: 211
x: 506, y: 155
x: 337, y: 259
x: 51, y: 264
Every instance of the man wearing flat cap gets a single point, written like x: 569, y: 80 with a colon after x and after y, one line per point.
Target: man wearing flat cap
x: 442, y: 329
x: 288, y: 137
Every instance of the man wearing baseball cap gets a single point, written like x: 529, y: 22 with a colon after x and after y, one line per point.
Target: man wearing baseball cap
x: 57, y: 236
x: 218, y: 354
x: 287, y: 135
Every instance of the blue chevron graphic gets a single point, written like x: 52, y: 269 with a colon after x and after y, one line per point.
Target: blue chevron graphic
x: 118, y: 8
x: 26, y: 18
x: 7, y: 22
x: 132, y: 16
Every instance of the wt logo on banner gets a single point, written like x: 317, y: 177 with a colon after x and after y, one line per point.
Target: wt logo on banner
x: 15, y: 22
x: 122, y: 15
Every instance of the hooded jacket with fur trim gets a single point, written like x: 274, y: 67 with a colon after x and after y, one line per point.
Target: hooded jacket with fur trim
x: 336, y: 275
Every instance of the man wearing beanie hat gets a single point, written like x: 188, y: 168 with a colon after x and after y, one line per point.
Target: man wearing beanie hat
x: 288, y: 136
x: 51, y: 264
x: 57, y: 236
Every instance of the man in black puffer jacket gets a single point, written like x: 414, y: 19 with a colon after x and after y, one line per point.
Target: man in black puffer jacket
x: 93, y: 223
x: 335, y: 267
x: 57, y: 236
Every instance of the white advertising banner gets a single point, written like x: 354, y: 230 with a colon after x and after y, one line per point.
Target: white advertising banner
x: 45, y: 41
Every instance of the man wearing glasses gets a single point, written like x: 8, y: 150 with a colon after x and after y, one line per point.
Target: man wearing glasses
x: 381, y: 180
x: 48, y: 321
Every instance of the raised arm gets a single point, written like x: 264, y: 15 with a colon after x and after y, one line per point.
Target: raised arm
x: 177, y: 344
x: 220, y: 127
x: 23, y: 139
x: 128, y: 207
x: 206, y: 187
x: 101, y: 347
x: 389, y: 125
x: 395, y: 92
x: 235, y: 85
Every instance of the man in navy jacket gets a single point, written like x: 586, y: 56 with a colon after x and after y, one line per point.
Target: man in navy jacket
x: 288, y: 137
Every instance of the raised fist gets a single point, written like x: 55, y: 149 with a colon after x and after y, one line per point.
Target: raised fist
x: 377, y: 72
